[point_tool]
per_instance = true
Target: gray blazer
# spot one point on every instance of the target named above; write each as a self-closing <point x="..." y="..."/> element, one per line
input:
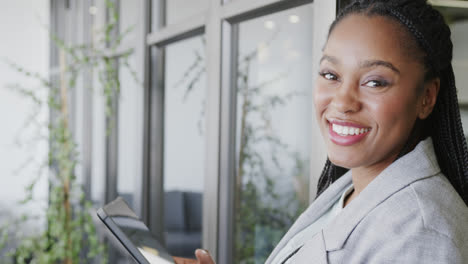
<point x="410" y="213"/>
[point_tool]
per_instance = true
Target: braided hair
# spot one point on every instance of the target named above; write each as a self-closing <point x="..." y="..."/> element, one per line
<point x="430" y="37"/>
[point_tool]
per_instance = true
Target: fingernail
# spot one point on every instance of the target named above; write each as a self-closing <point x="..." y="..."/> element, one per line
<point x="203" y="251"/>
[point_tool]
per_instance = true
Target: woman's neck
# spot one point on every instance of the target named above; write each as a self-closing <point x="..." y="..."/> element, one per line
<point x="361" y="177"/>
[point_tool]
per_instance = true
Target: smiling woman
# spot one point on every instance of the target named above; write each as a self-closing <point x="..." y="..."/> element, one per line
<point x="385" y="100"/>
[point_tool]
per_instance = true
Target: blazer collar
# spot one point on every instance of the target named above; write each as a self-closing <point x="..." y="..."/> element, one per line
<point x="418" y="164"/>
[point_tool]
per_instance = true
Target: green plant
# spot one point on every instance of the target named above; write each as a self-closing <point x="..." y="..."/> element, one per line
<point x="70" y="235"/>
<point x="262" y="214"/>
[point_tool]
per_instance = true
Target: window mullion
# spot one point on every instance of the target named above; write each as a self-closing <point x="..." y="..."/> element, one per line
<point x="213" y="116"/>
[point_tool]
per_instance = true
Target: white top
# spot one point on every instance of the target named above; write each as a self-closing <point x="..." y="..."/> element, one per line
<point x="302" y="237"/>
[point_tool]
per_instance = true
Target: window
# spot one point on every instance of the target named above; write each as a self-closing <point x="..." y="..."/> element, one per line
<point x="129" y="110"/>
<point x="273" y="123"/>
<point x="184" y="145"/>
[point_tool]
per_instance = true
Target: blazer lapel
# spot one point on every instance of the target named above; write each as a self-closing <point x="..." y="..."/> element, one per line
<point x="312" y="252"/>
<point x="315" y="210"/>
<point x="419" y="164"/>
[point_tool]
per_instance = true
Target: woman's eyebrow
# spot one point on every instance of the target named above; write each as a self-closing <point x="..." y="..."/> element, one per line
<point x="333" y="60"/>
<point x="364" y="64"/>
<point x="373" y="63"/>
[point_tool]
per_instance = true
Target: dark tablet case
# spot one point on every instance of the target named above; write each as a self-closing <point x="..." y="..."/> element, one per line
<point x="132" y="233"/>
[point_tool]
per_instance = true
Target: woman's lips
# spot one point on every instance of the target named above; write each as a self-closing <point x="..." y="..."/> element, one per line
<point x="345" y="133"/>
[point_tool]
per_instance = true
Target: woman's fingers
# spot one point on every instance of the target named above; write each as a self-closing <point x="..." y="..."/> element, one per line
<point x="185" y="260"/>
<point x="203" y="256"/>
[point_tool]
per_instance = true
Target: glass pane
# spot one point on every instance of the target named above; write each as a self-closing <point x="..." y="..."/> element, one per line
<point x="129" y="18"/>
<point x="98" y="137"/>
<point x="178" y="10"/>
<point x="457" y="18"/>
<point x="129" y="116"/>
<point x="129" y="146"/>
<point x="184" y="145"/>
<point x="274" y="95"/>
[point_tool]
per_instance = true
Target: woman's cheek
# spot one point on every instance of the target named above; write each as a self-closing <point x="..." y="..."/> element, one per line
<point x="391" y="108"/>
<point x="322" y="97"/>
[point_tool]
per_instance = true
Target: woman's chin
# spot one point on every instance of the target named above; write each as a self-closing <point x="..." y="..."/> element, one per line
<point x="343" y="161"/>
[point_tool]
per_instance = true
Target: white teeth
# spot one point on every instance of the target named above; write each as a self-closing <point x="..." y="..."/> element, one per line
<point x="345" y="130"/>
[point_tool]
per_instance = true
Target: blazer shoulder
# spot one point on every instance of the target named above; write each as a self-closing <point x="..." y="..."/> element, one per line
<point x="441" y="208"/>
<point x="426" y="219"/>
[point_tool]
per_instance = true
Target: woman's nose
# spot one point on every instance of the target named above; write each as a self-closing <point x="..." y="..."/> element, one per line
<point x="346" y="98"/>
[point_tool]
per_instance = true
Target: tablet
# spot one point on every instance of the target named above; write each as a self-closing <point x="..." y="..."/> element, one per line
<point x="125" y="227"/>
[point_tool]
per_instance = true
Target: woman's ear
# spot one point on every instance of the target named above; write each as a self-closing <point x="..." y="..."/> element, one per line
<point x="429" y="97"/>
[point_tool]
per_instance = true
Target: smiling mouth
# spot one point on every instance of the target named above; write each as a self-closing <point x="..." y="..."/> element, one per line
<point x="348" y="130"/>
<point x="346" y="133"/>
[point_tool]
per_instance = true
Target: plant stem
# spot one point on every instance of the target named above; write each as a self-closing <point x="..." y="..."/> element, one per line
<point x="64" y="171"/>
<point x="243" y="138"/>
<point x="242" y="158"/>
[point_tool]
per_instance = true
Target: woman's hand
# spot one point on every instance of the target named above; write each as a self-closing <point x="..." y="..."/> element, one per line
<point x="203" y="257"/>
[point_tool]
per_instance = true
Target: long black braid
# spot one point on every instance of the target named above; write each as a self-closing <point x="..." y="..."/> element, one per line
<point x="432" y="36"/>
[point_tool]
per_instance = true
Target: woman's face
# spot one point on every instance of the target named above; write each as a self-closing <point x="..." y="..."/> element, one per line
<point x="368" y="93"/>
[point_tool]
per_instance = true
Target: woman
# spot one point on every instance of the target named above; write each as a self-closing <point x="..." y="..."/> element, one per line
<point x="395" y="186"/>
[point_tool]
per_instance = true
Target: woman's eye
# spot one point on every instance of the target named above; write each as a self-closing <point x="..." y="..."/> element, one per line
<point x="376" y="83"/>
<point x="328" y="76"/>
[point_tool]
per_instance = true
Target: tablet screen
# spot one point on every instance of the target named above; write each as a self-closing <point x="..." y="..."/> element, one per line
<point x="142" y="239"/>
